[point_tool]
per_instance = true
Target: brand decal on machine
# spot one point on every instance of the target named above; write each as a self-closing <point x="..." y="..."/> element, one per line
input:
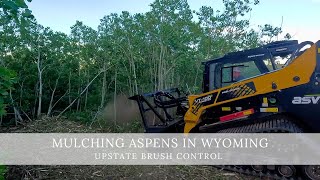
<point x="230" y="90"/>
<point x="281" y="49"/>
<point x="204" y="99"/>
<point x="256" y="55"/>
<point x="308" y="99"/>
<point x="237" y="91"/>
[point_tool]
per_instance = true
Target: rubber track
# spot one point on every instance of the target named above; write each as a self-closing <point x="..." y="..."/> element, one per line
<point x="276" y="124"/>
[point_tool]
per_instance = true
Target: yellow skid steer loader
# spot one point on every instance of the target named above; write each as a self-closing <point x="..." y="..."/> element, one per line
<point x="270" y="89"/>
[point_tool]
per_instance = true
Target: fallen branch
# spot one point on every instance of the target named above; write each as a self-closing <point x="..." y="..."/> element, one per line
<point x="26" y="115"/>
<point x="67" y="92"/>
<point x="83" y="91"/>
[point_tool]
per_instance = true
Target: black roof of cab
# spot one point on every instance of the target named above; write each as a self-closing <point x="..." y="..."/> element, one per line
<point x="279" y="48"/>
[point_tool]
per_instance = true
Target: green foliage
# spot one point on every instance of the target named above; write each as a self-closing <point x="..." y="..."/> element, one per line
<point x="12" y="8"/>
<point x="16" y="11"/>
<point x="3" y="170"/>
<point x="84" y="117"/>
<point x="7" y="80"/>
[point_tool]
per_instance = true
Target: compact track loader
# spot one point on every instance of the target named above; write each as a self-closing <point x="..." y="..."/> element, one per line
<point x="270" y="89"/>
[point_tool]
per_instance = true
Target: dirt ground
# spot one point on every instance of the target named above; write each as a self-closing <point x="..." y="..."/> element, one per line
<point x="49" y="125"/>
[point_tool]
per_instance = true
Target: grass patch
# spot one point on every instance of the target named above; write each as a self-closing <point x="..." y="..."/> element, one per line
<point x="3" y="170"/>
<point x="133" y="127"/>
<point x="83" y="117"/>
<point x="107" y="125"/>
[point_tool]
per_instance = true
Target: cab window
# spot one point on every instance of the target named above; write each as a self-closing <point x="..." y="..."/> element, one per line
<point x="232" y="73"/>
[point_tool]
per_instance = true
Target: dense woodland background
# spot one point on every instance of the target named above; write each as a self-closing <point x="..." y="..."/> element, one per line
<point x="49" y="73"/>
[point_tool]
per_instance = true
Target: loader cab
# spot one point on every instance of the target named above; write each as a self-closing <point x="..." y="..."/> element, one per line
<point x="241" y="65"/>
<point x="225" y="73"/>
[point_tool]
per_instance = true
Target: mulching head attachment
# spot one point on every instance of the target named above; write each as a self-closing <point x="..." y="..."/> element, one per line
<point x="162" y="111"/>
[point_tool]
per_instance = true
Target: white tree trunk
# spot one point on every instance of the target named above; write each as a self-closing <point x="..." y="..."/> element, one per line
<point x="52" y="96"/>
<point x="87" y="92"/>
<point x="35" y="101"/>
<point x="115" y="98"/>
<point x="69" y="84"/>
<point x="79" y="89"/>
<point x="17" y="115"/>
<point x="40" y="83"/>
<point x="104" y="86"/>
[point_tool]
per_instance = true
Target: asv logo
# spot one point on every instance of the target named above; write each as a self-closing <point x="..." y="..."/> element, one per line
<point x="306" y="100"/>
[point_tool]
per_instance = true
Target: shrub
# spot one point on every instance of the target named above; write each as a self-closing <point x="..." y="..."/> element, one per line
<point x="7" y="80"/>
